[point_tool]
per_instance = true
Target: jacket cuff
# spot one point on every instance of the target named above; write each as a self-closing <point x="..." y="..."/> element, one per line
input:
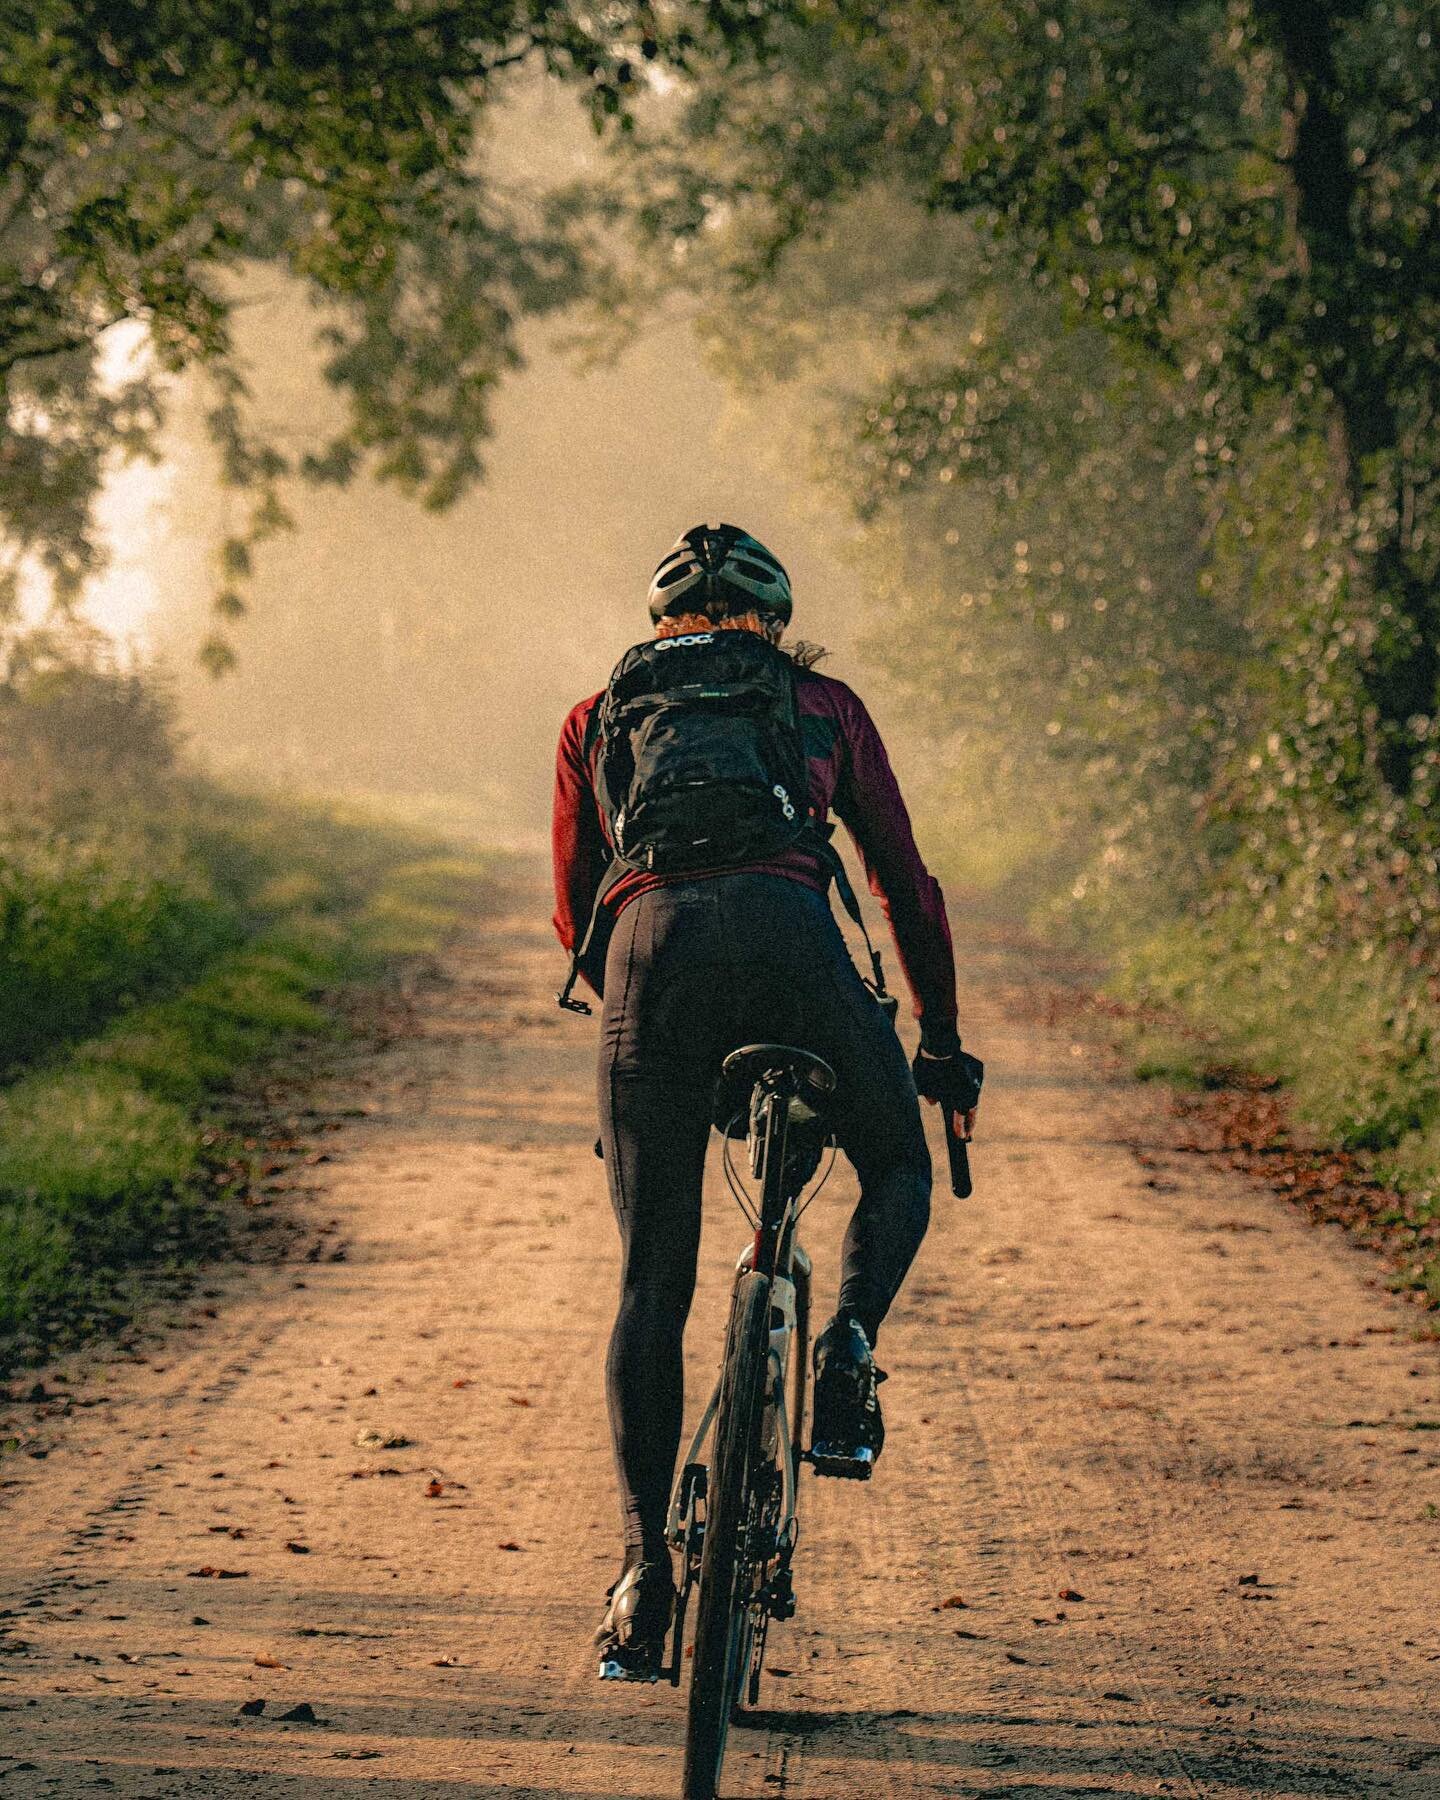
<point x="939" y="1037"/>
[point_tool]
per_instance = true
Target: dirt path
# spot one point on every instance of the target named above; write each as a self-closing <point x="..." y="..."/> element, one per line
<point x="1142" y="1383"/>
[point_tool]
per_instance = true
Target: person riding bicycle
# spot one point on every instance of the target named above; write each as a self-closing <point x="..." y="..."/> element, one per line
<point x="690" y="966"/>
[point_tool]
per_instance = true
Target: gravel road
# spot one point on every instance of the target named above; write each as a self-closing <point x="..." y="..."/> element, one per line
<point x="1157" y="1513"/>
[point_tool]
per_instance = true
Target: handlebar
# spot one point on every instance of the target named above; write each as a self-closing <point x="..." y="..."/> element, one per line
<point x="960" y="1184"/>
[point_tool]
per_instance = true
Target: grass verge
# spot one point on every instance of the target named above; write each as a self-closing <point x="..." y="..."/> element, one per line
<point x="108" y="1143"/>
<point x="1318" y="1073"/>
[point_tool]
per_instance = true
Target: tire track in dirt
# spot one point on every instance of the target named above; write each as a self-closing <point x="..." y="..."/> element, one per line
<point x="1132" y="1383"/>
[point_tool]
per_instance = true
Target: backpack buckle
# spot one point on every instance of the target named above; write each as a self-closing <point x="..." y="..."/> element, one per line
<point x="566" y="1000"/>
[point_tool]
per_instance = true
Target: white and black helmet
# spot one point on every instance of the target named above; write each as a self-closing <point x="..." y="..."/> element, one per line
<point x="719" y="570"/>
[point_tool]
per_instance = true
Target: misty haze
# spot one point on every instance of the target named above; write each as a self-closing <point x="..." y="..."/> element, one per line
<point x="892" y="1342"/>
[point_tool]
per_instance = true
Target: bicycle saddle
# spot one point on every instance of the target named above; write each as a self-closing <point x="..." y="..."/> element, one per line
<point x="742" y="1069"/>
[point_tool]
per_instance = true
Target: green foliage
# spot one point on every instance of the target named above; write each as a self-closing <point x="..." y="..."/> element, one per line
<point x="1354" y="1036"/>
<point x="156" y="156"/>
<point x="159" y="936"/>
<point x="80" y="937"/>
<point x="102" y="1155"/>
<point x="94" y="1178"/>
<point x="1119" y="328"/>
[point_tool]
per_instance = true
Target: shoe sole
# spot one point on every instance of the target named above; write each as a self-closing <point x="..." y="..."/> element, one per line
<point x="611" y="1670"/>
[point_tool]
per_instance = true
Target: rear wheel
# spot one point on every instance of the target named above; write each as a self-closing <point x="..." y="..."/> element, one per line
<point x="721" y="1637"/>
<point x="799" y="1368"/>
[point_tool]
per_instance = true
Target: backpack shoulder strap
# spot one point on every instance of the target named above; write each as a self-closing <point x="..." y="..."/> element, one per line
<point x="566" y="997"/>
<point x="830" y="857"/>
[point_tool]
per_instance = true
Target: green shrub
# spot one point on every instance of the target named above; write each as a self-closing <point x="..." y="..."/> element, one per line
<point x="143" y="972"/>
<point x="1355" y="1036"/>
<point x="95" y="1176"/>
<point x="81" y="937"/>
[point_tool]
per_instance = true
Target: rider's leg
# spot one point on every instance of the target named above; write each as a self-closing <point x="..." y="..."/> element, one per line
<point x="886" y="1143"/>
<point x="655" y="1077"/>
<point x="794" y="981"/>
<point x="879" y="1129"/>
<point x="654" y="1150"/>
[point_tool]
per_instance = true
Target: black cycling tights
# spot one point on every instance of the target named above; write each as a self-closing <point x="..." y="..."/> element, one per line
<point x="695" y="970"/>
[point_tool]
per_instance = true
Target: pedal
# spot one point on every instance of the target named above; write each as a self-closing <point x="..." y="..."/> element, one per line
<point x="847" y="1465"/>
<point x="621" y="1664"/>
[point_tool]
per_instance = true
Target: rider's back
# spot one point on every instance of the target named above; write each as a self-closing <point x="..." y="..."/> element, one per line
<point x="848" y="774"/>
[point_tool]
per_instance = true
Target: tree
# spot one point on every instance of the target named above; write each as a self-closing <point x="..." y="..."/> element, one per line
<point x="153" y="153"/>
<point x="1242" y="193"/>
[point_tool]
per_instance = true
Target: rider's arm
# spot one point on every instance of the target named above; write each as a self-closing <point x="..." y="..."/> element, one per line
<point x="868" y="801"/>
<point x="577" y="841"/>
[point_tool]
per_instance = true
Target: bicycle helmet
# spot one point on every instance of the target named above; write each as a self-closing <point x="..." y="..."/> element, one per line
<point x="719" y="570"/>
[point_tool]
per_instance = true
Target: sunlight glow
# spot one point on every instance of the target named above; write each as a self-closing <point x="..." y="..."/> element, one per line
<point x="128" y="520"/>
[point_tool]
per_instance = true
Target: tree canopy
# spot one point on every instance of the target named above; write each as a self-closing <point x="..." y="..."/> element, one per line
<point x="1116" y="322"/>
<point x="1120" y="324"/>
<point x="154" y="155"/>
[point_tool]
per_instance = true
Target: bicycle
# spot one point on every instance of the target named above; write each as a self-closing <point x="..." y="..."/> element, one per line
<point x="734" y="1521"/>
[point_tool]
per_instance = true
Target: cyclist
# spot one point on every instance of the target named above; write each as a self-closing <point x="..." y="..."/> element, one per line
<point x="691" y="967"/>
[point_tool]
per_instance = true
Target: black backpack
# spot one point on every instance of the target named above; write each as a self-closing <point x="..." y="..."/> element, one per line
<point x="701" y="760"/>
<point x="700" y="765"/>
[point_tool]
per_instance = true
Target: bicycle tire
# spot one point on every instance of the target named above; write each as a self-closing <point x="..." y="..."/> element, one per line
<point x="715" y="1675"/>
<point x="799" y="1371"/>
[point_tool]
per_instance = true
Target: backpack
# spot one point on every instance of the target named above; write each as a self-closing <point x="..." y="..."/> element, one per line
<point x="700" y="765"/>
<point x="701" y="759"/>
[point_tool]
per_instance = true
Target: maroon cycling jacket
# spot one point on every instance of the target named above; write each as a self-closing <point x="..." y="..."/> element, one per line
<point x="850" y="774"/>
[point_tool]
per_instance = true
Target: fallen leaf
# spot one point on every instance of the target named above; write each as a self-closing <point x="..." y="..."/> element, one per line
<point x="208" y="1572"/>
<point x="269" y="1662"/>
<point x="464" y="1382"/>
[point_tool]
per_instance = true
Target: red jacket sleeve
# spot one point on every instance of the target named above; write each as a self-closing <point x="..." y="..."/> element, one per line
<point x="868" y="801"/>
<point x="577" y="840"/>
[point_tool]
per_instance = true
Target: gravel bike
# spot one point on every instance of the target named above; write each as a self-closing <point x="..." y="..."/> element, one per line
<point x="733" y="1519"/>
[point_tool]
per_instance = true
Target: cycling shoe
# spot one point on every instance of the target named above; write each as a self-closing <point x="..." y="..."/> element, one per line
<point x="631" y="1636"/>
<point x="848" y="1432"/>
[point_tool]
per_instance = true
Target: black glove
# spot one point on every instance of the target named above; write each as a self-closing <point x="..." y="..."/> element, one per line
<point x="945" y="1072"/>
